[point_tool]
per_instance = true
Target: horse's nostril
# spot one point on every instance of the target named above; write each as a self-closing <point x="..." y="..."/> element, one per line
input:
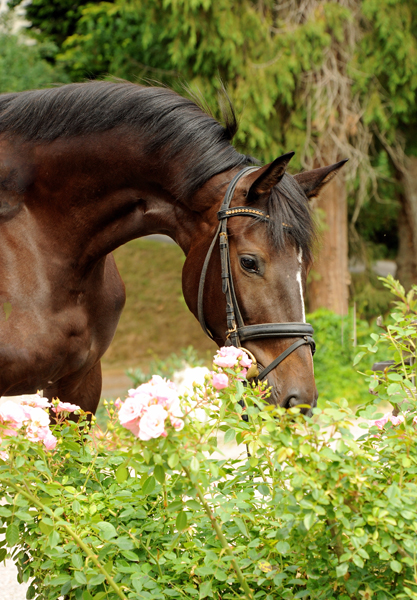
<point x="296" y="399"/>
<point x="293" y="401"/>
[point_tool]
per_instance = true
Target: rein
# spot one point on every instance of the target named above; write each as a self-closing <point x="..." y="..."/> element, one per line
<point x="237" y="331"/>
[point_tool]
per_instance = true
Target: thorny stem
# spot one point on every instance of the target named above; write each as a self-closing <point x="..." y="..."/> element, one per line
<point x="74" y="535"/>
<point x="220" y="535"/>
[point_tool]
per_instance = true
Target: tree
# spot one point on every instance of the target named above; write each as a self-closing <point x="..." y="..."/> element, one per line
<point x="21" y="65"/>
<point x="308" y="76"/>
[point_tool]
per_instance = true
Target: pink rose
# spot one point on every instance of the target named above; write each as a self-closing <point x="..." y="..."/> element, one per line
<point x="38" y="427"/>
<point x="12" y="415"/>
<point x="35" y="433"/>
<point x="50" y="441"/>
<point x="229" y="356"/>
<point x="3" y="455"/>
<point x="177" y="423"/>
<point x="65" y="407"/>
<point x="36" y="401"/>
<point x="380" y="423"/>
<point x="152" y="424"/>
<point x="132" y="410"/>
<point x="219" y="380"/>
<point x="162" y="391"/>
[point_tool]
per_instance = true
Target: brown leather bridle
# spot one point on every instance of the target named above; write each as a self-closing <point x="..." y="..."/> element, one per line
<point x="237" y="332"/>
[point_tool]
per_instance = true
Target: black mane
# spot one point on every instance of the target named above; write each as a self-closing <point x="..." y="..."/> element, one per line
<point x="165" y="119"/>
<point x="288" y="204"/>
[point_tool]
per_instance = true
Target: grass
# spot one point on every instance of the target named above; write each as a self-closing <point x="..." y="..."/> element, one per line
<point x="156" y="321"/>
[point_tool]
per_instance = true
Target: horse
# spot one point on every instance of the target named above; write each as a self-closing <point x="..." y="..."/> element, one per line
<point x="84" y="168"/>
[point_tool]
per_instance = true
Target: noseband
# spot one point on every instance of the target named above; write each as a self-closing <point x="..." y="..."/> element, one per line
<point x="237" y="332"/>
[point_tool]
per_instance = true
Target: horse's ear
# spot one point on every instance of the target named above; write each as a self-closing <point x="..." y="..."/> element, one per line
<point x="264" y="179"/>
<point x="313" y="181"/>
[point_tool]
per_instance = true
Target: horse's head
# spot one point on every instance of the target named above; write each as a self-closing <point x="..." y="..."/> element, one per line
<point x="265" y="237"/>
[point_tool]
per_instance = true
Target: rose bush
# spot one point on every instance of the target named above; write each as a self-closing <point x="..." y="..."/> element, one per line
<point x="152" y="508"/>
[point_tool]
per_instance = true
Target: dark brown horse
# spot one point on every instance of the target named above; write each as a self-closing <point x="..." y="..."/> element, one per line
<point x="84" y="168"/>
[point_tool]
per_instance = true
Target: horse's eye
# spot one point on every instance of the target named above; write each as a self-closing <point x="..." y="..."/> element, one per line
<point x="249" y="264"/>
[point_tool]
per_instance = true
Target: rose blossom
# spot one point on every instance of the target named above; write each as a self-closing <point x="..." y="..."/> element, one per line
<point x="163" y="391"/>
<point x="152" y="424"/>
<point x="50" y="441"/>
<point x="132" y="410"/>
<point x="380" y="423"/>
<point x="228" y="356"/>
<point x="13" y="415"/>
<point x="219" y="380"/>
<point x="38" y="427"/>
<point x="65" y="407"/>
<point x="36" y="401"/>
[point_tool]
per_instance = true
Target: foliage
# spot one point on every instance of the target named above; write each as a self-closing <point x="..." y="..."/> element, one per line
<point x="397" y="383"/>
<point x="309" y="513"/>
<point x="21" y="65"/>
<point x="52" y="20"/>
<point x="335" y="376"/>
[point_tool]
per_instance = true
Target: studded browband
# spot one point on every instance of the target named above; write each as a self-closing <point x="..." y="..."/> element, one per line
<point x="237" y="331"/>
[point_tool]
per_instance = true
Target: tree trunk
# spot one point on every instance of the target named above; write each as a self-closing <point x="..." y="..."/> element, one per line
<point x="407" y="225"/>
<point x="329" y="286"/>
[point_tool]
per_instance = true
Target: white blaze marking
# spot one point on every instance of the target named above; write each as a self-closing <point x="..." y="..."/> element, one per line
<point x="300" y="283"/>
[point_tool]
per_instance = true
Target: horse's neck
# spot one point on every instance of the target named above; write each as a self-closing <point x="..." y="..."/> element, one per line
<point x="95" y="197"/>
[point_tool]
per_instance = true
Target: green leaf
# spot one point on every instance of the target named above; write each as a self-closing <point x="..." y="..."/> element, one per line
<point x="61" y="579"/>
<point x="107" y="530"/>
<point x="45" y="528"/>
<point x="96" y="580"/>
<point x="76" y="507"/>
<point x="309" y="520"/>
<point x="283" y="547"/>
<point x="342" y="569"/>
<point x="393" y="388"/>
<point x="263" y="489"/>
<point x="205" y="589"/>
<point x="173" y="460"/>
<point x="358" y="561"/>
<point x="12" y="534"/>
<point x="181" y="520"/>
<point x="194" y="464"/>
<point x="229" y="436"/>
<point x="159" y="473"/>
<point x="148" y="485"/>
<point x="31" y="592"/>
<point x="122" y="473"/>
<point x="130" y="555"/>
<point x="396" y="566"/>
<point x="87" y="595"/>
<point x="358" y="358"/>
<point x="240" y="523"/>
<point x="77" y="561"/>
<point x="80" y="577"/>
<point x="53" y="539"/>
<point x="3" y="554"/>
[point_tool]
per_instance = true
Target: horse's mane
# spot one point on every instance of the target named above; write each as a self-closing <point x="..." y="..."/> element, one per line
<point x="165" y="121"/>
<point x="163" y="118"/>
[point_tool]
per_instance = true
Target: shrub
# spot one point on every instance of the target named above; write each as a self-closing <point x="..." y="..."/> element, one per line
<point x="309" y="512"/>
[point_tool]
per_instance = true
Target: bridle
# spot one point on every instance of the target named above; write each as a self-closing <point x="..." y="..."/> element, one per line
<point x="237" y="332"/>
